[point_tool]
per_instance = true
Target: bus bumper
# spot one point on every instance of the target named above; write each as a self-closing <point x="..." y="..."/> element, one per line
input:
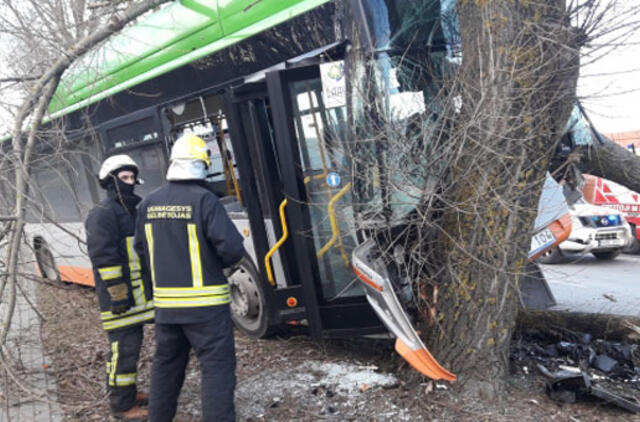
<point x="382" y="298"/>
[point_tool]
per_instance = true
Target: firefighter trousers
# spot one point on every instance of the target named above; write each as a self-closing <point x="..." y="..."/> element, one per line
<point x="212" y="342"/>
<point x="122" y="365"/>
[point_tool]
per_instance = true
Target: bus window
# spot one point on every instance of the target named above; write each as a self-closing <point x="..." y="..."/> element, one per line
<point x="56" y="191"/>
<point x="136" y="132"/>
<point x="326" y="171"/>
<point x="140" y="140"/>
<point x="64" y="172"/>
<point x="203" y="116"/>
<point x="151" y="167"/>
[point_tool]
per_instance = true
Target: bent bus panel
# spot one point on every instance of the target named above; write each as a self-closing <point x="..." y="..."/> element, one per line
<point x="551" y="227"/>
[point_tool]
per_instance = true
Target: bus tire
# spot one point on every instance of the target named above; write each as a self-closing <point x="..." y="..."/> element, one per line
<point x="249" y="310"/>
<point x="45" y="261"/>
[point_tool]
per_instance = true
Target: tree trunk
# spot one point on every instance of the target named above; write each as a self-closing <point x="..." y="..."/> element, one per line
<point x="518" y="80"/>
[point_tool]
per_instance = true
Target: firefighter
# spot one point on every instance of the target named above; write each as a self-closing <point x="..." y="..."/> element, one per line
<point x="188" y="239"/>
<point x="122" y="283"/>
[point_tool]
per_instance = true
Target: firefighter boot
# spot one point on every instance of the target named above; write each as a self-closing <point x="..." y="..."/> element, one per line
<point x="135" y="414"/>
<point x="142" y="399"/>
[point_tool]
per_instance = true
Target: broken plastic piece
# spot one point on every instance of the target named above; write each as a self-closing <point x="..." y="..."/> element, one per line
<point x="567" y="387"/>
<point x="604" y="363"/>
<point x="383" y="300"/>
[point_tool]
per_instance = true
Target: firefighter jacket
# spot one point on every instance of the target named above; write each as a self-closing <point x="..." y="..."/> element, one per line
<point x="186" y="237"/>
<point x="110" y="227"/>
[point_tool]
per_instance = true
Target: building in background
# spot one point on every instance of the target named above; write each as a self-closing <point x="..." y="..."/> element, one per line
<point x="629" y="140"/>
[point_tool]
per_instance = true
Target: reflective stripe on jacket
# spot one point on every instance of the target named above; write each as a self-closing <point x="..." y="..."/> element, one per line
<point x="110" y="229"/>
<point x="187" y="239"/>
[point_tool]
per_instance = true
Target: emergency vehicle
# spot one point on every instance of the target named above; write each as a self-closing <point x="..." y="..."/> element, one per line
<point x="605" y="193"/>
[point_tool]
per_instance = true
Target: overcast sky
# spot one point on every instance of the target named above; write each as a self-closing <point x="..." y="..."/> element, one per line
<point x="610" y="87"/>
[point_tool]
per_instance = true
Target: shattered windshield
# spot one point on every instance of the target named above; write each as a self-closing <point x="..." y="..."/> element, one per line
<point x="398" y="161"/>
<point x="579" y="128"/>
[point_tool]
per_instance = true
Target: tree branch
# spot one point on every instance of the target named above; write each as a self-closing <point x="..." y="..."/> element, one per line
<point x="20" y="79"/>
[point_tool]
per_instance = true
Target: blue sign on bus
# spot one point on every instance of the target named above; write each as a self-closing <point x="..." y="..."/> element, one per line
<point x="333" y="180"/>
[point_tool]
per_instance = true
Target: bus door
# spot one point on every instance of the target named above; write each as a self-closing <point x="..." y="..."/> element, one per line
<point x="310" y="141"/>
<point x="248" y="113"/>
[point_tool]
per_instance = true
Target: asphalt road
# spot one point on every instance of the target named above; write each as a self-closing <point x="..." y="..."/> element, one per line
<point x="591" y="285"/>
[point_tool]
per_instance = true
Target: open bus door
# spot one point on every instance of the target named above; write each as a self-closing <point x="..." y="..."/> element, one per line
<point x="296" y="194"/>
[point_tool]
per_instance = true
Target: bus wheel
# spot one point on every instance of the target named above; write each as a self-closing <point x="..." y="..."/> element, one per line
<point x="248" y="304"/>
<point x="44" y="259"/>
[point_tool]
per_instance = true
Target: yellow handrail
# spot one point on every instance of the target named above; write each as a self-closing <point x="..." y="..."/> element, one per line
<point x="334" y="224"/>
<point x="236" y="186"/>
<point x="307" y="179"/>
<point x="285" y="234"/>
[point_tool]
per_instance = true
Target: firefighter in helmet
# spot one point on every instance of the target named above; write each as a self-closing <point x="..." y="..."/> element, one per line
<point x="186" y="236"/>
<point x="122" y="283"/>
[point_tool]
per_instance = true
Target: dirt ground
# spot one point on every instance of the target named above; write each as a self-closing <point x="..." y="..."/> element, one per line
<point x="288" y="378"/>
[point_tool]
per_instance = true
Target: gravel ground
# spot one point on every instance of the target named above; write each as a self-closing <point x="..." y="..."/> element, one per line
<point x="286" y="378"/>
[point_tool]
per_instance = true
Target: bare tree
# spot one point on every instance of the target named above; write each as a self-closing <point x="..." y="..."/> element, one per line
<point x="18" y="159"/>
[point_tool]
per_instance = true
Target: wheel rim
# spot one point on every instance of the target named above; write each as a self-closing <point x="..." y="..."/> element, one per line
<point x="246" y="300"/>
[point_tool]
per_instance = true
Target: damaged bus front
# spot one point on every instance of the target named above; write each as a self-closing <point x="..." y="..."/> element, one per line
<point x="401" y="113"/>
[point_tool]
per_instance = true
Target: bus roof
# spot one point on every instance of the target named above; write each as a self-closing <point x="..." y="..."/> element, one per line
<point x="181" y="32"/>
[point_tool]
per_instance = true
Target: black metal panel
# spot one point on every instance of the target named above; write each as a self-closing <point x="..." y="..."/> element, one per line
<point x="354" y="332"/>
<point x="352" y="315"/>
<point x="241" y="150"/>
<point x="287" y="312"/>
<point x="294" y="190"/>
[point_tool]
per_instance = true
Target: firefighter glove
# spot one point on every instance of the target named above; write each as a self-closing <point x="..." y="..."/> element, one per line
<point x="121" y="299"/>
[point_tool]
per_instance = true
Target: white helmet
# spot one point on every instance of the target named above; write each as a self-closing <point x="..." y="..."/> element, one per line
<point x="114" y="163"/>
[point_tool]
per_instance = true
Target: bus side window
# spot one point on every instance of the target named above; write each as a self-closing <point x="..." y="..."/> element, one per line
<point x="140" y="139"/>
<point x="56" y="190"/>
<point x="151" y="165"/>
<point x="139" y="131"/>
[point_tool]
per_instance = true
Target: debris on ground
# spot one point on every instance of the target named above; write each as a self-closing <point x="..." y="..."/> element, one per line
<point x="294" y="378"/>
<point x="570" y="387"/>
<point x="580" y="368"/>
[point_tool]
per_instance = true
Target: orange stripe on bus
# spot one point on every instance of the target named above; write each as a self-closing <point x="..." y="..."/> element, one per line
<point x="367" y="280"/>
<point x="78" y="275"/>
<point x="561" y="228"/>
